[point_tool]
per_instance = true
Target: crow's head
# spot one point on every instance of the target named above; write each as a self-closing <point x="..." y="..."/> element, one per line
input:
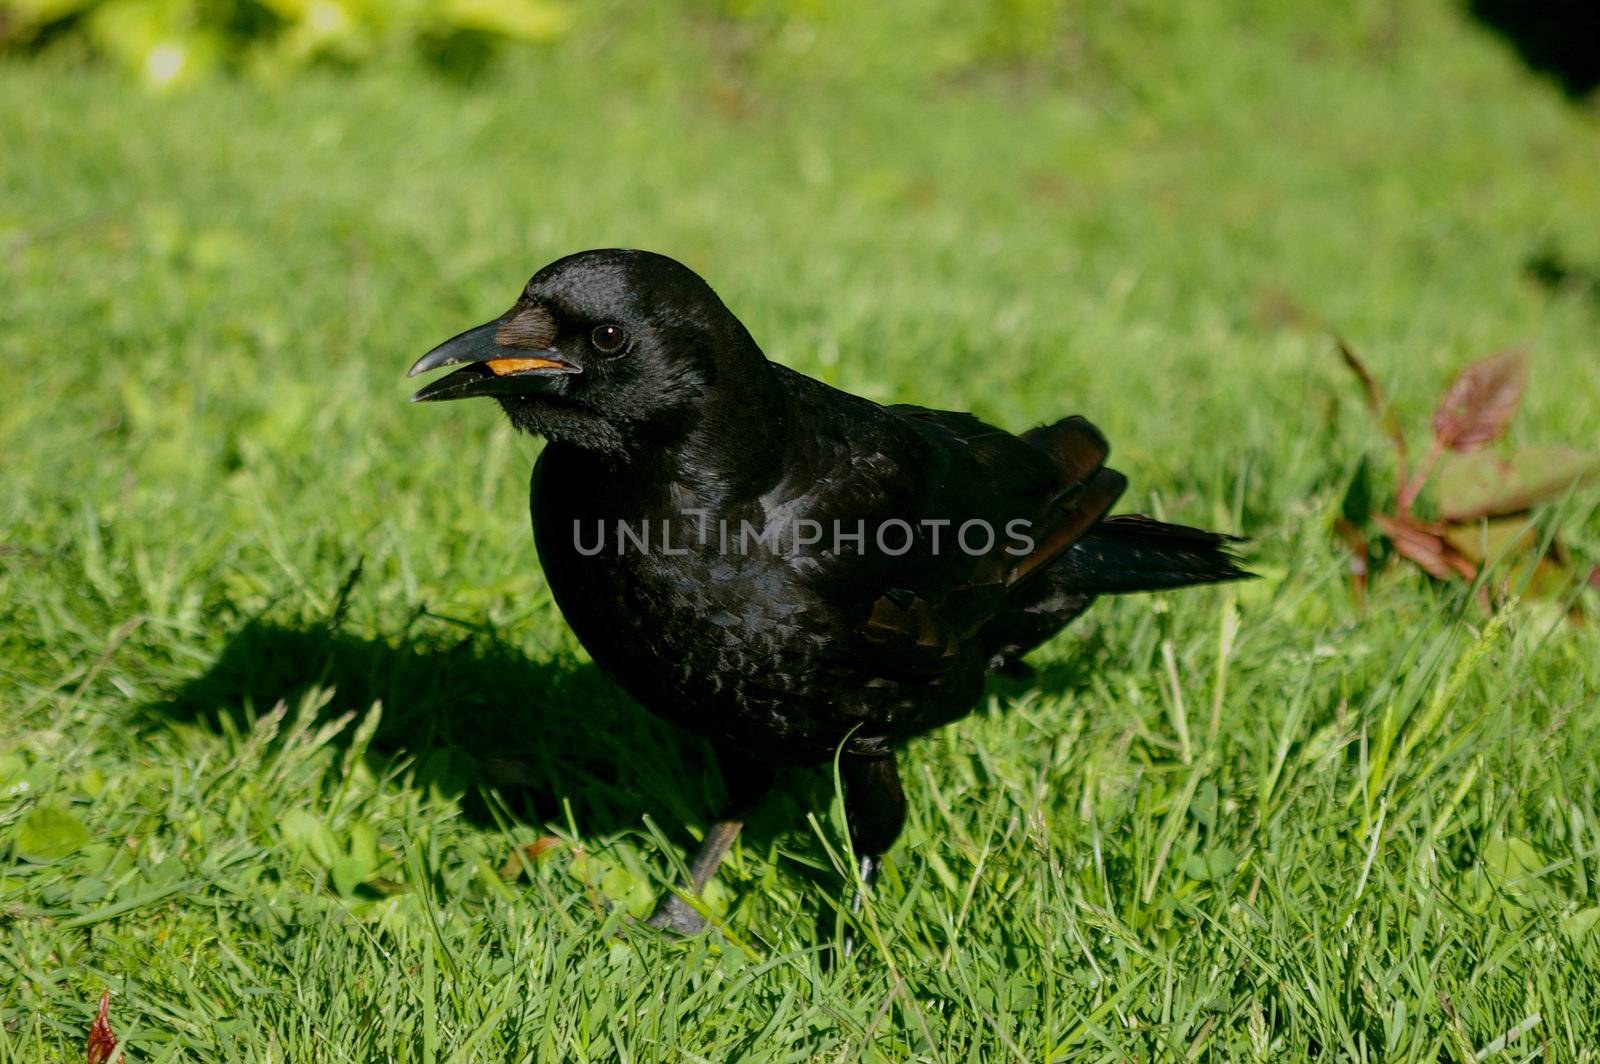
<point x="613" y="350"/>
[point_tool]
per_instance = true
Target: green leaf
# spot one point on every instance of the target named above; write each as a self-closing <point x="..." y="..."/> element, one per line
<point x="92" y="782"/>
<point x="347" y="874"/>
<point x="1484" y="541"/>
<point x="1215" y="863"/>
<point x="615" y="883"/>
<point x="1221" y="862"/>
<point x="12" y="769"/>
<point x="1510" y="862"/>
<point x="155" y="39"/>
<point x="1487" y="484"/>
<point x="49" y="833"/>
<point x="1581" y="923"/>
<point x="304" y="831"/>
<point x="521" y="20"/>
<point x="297" y="827"/>
<point x="323" y="846"/>
<point x="1514" y="543"/>
<point x="1204" y="806"/>
<point x="40" y="12"/>
<point x="167" y="872"/>
<point x="364" y="846"/>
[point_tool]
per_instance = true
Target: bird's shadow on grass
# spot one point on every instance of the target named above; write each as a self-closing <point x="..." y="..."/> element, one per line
<point x="546" y="741"/>
<point x="539" y="741"/>
<point x="553" y="738"/>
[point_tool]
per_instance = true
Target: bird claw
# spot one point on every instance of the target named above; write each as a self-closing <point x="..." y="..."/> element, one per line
<point x="847" y="944"/>
<point x="847" y="937"/>
<point x="841" y="953"/>
<point x="676" y="915"/>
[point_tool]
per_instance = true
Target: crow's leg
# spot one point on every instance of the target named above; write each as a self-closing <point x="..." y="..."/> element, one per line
<point x="673" y="913"/>
<point x="746" y="783"/>
<point x="875" y="808"/>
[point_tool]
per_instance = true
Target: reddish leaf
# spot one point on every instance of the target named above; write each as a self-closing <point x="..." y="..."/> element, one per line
<point x="541" y="846"/>
<point x="527" y="855"/>
<point x="1425" y="545"/>
<point x="102" y="1042"/>
<point x="1374" y="394"/>
<point x="1594" y="578"/>
<point x="1491" y="485"/>
<point x="1479" y="403"/>
<point x="1376" y="402"/>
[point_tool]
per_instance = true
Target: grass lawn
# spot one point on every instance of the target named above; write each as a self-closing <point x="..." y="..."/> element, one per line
<point x="284" y="699"/>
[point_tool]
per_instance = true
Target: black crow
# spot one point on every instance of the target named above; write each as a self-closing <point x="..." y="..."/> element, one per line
<point x="786" y="569"/>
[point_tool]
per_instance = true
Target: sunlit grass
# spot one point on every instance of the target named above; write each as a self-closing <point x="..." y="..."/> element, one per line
<point x="277" y="640"/>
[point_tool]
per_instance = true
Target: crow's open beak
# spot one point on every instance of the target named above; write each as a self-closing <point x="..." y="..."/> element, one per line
<point x="505" y="357"/>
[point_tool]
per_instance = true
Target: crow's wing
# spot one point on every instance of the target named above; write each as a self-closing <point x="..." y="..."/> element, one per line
<point x="941" y="470"/>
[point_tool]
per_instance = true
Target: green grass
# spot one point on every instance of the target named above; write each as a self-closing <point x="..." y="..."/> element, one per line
<point x="278" y="641"/>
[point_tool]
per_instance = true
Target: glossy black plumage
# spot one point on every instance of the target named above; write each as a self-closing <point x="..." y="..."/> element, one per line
<point x="685" y="472"/>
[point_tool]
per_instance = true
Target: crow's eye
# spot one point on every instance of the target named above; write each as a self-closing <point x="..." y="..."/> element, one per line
<point x="607" y="339"/>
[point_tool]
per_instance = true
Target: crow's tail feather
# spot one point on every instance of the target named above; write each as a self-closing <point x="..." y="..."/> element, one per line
<point x="1119" y="554"/>
<point x="1137" y="553"/>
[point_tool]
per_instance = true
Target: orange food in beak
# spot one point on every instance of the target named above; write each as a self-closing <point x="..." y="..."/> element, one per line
<point x="501" y="367"/>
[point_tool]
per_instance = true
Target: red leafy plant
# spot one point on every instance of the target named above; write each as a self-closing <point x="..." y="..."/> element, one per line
<point x="102" y="1040"/>
<point x="1480" y="499"/>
